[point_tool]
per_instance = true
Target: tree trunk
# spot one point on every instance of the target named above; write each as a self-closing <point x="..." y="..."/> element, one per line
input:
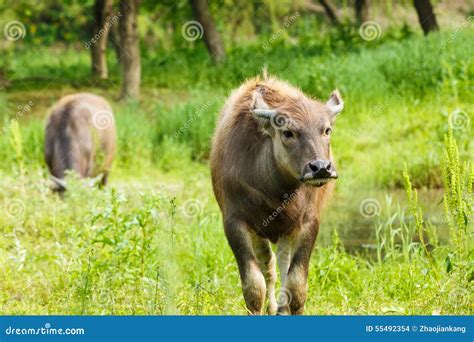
<point x="426" y="16"/>
<point x="362" y="10"/>
<point x="101" y="28"/>
<point x="212" y="37"/>
<point x="114" y="38"/>
<point x="330" y="11"/>
<point x="129" y="49"/>
<point x="256" y="18"/>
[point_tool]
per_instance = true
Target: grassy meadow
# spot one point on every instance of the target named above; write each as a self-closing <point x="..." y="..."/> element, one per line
<point x="152" y="242"/>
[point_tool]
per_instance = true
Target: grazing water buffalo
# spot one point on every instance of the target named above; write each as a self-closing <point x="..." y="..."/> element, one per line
<point x="271" y="170"/>
<point x="80" y="136"/>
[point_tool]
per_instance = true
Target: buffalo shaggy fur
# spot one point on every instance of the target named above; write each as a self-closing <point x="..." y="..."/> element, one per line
<point x="262" y="173"/>
<point x="80" y="136"/>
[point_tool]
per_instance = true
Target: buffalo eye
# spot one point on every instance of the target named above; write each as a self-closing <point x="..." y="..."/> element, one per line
<point x="327" y="131"/>
<point x="288" y="134"/>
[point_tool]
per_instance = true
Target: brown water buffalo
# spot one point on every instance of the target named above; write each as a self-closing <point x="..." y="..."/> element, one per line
<point x="271" y="170"/>
<point x="80" y="136"/>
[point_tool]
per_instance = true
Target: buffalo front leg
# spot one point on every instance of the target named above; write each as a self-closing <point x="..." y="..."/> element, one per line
<point x="297" y="278"/>
<point x="104" y="179"/>
<point x="267" y="263"/>
<point x="253" y="281"/>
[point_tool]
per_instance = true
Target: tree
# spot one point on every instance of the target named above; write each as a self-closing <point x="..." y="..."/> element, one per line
<point x="129" y="49"/>
<point x="100" y="32"/>
<point x="212" y="38"/>
<point x="426" y="16"/>
<point x="114" y="39"/>
<point x="362" y="10"/>
<point x="330" y="11"/>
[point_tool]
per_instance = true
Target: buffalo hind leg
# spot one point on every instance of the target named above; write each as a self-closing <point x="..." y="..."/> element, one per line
<point x="253" y="281"/>
<point x="284" y="258"/>
<point x="297" y="279"/>
<point x="267" y="262"/>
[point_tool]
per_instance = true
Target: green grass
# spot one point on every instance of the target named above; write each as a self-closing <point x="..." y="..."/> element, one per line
<point x="140" y="248"/>
<point x="153" y="243"/>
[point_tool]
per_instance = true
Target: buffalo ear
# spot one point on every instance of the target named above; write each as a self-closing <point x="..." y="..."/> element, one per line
<point x="335" y="103"/>
<point x="262" y="111"/>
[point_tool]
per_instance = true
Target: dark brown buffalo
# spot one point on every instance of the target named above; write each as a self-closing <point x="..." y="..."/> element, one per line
<point x="271" y="170"/>
<point x="80" y="136"/>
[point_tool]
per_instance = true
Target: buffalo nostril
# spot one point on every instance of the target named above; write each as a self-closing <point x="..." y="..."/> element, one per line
<point x="315" y="166"/>
<point x="329" y="166"/>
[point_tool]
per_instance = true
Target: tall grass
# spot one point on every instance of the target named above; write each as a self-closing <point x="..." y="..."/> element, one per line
<point x="458" y="207"/>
